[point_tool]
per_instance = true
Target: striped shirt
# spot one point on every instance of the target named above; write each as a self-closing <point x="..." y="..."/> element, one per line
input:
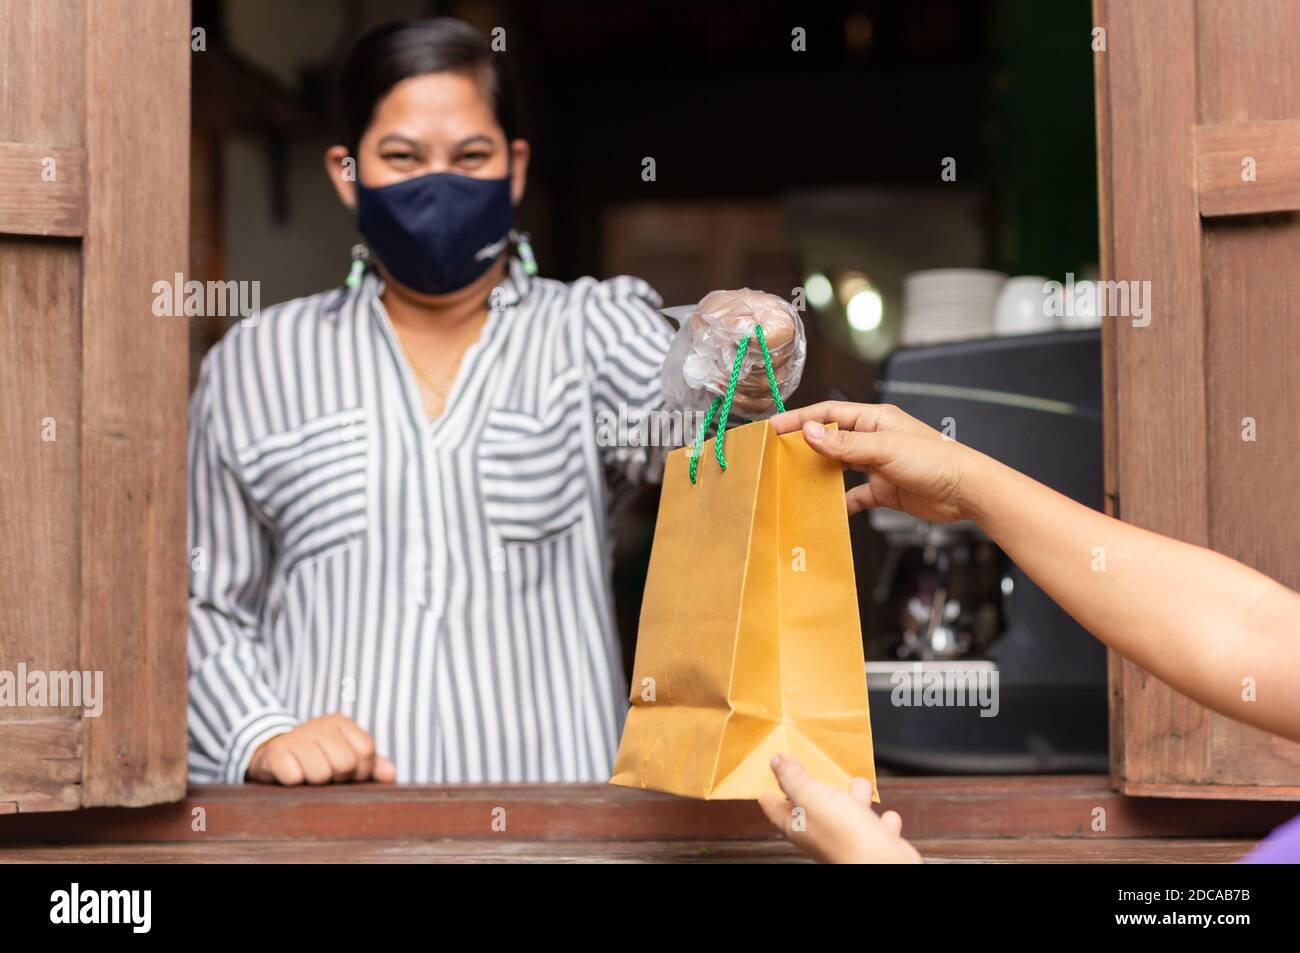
<point x="445" y="584"/>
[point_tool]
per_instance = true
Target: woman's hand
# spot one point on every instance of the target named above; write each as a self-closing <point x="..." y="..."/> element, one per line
<point x="911" y="467"/>
<point x="836" y="827"/>
<point x="722" y="321"/>
<point x="331" y="748"/>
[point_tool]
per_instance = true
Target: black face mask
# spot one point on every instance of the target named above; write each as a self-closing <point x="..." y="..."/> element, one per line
<point x="436" y="233"/>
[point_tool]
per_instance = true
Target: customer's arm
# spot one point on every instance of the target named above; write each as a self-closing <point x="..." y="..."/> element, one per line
<point x="1214" y="629"/>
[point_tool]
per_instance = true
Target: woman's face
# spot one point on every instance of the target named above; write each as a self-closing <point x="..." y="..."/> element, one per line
<point x="438" y="122"/>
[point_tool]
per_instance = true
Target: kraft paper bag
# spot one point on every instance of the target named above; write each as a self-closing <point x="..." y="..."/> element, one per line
<point x="749" y="643"/>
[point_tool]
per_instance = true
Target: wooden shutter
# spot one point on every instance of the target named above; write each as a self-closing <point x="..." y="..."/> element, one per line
<point x="94" y="167"/>
<point x="1187" y="90"/>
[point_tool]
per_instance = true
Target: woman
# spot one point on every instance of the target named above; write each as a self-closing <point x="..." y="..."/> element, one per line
<point x="398" y="501"/>
<point x="1196" y="619"/>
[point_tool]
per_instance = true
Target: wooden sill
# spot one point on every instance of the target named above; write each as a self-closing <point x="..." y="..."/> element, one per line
<point x="933" y="809"/>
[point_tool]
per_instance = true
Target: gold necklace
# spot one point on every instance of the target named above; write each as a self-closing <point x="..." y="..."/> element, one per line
<point x="440" y="389"/>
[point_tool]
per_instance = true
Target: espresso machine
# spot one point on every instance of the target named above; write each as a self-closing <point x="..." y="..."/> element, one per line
<point x="974" y="669"/>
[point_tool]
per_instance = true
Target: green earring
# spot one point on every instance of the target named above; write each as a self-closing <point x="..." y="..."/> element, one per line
<point x="525" y="247"/>
<point x="360" y="255"/>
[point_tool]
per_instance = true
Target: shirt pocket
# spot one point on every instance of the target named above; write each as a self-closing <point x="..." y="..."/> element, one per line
<point x="531" y="469"/>
<point x="309" y="483"/>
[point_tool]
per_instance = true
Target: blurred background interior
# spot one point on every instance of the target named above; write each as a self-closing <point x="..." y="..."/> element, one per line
<point x="775" y="169"/>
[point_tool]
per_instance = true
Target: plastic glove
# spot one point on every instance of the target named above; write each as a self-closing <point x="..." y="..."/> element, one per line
<point x="699" y="362"/>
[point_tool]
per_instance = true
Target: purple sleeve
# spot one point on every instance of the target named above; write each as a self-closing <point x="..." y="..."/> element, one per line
<point x="1280" y="847"/>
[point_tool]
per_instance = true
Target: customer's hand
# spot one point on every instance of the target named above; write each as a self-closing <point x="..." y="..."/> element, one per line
<point x="834" y="827"/>
<point x="911" y="467"/>
<point x="331" y="748"/>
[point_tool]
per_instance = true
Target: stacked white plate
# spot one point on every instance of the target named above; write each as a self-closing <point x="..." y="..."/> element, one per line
<point x="949" y="304"/>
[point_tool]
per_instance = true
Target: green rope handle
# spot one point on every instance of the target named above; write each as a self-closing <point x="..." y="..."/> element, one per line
<point x="724" y="403"/>
<point x="699" y="437"/>
<point x="767" y="366"/>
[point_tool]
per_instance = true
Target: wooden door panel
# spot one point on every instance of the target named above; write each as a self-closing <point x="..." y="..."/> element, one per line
<point x="1253" y="369"/>
<point x="55" y="209"/>
<point x="1147" y="94"/>
<point x="1249" y="81"/>
<point x="42" y="95"/>
<point x="1272" y="145"/>
<point x="1186" y="90"/>
<point x="135" y="383"/>
<point x="94" y="131"/>
<point x="41" y="111"/>
<point x="39" y="368"/>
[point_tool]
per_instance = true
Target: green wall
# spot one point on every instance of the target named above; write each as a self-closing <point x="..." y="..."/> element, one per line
<point x="1047" y="132"/>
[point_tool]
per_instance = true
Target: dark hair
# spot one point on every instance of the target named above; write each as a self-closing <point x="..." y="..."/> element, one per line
<point x="396" y="51"/>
